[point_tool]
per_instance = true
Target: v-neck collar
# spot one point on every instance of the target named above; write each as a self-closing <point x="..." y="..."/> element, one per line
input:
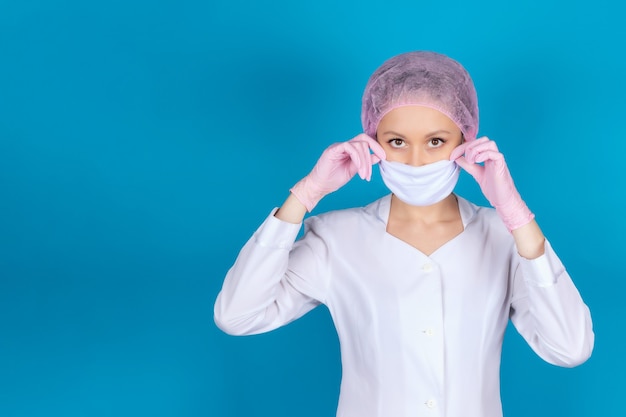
<point x="466" y="209"/>
<point x="381" y="209"/>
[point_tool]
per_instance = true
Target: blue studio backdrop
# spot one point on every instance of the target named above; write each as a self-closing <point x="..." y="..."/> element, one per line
<point x="142" y="142"/>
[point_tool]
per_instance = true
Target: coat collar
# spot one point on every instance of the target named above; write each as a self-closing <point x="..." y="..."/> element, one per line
<point x="380" y="208"/>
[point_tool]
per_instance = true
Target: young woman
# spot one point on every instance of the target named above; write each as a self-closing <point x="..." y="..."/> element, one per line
<point x="421" y="283"/>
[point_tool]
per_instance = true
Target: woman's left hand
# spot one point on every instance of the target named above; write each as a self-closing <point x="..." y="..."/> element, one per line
<point x="494" y="179"/>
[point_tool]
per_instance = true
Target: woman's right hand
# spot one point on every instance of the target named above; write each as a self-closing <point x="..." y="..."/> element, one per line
<point x="494" y="179"/>
<point x="337" y="165"/>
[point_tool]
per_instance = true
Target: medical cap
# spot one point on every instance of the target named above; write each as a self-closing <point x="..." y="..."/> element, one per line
<point x="421" y="78"/>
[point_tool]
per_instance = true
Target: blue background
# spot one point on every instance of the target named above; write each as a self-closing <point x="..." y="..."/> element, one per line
<point x="142" y="142"/>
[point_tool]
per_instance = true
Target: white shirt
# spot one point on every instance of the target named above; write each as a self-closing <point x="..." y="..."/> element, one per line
<point x="419" y="335"/>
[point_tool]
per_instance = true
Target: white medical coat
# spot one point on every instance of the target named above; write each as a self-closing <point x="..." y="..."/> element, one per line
<point x="419" y="335"/>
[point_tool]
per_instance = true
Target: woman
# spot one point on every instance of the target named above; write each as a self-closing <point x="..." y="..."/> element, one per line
<point x="421" y="283"/>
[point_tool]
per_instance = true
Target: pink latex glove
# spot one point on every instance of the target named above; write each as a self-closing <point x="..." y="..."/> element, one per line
<point x="494" y="179"/>
<point x="337" y="165"/>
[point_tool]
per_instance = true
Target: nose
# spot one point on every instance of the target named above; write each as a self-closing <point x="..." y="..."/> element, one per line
<point x="416" y="158"/>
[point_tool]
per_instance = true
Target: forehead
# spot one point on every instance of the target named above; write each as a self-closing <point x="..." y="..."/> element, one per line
<point x="416" y="118"/>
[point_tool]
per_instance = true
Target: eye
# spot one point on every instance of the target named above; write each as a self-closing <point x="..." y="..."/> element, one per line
<point x="396" y="143"/>
<point x="436" y="142"/>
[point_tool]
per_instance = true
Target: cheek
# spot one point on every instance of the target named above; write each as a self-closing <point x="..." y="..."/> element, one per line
<point x="452" y="145"/>
<point x="448" y="151"/>
<point x="394" y="154"/>
<point x="447" y="154"/>
<point x="439" y="154"/>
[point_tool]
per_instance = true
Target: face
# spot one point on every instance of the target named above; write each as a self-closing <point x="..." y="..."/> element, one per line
<point x="417" y="135"/>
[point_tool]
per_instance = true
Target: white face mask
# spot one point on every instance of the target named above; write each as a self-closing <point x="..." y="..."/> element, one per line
<point x="420" y="186"/>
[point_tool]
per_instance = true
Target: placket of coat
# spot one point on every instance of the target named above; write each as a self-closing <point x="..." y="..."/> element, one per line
<point x="424" y="320"/>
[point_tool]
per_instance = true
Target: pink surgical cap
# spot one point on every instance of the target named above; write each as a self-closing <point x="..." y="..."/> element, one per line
<point x="421" y="78"/>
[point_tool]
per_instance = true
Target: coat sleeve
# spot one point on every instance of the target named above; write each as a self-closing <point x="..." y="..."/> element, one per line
<point x="548" y="311"/>
<point x="258" y="294"/>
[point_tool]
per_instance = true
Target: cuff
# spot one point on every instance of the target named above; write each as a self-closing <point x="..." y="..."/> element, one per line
<point x="275" y="233"/>
<point x="544" y="270"/>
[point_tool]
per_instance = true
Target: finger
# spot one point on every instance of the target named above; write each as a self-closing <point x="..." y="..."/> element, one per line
<point x="472" y="151"/>
<point x="483" y="144"/>
<point x="365" y="170"/>
<point x="373" y="145"/>
<point x="488" y="155"/>
<point x="474" y="170"/>
<point x="363" y="149"/>
<point x="374" y="159"/>
<point x="476" y="142"/>
<point x="468" y="148"/>
<point x="458" y="151"/>
<point x="482" y="139"/>
<point x="356" y="160"/>
<point x="336" y="151"/>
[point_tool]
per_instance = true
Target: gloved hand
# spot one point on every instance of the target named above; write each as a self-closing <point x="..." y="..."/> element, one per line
<point x="494" y="179"/>
<point x="337" y="165"/>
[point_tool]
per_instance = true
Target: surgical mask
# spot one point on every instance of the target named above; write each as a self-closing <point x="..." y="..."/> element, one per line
<point x="420" y="186"/>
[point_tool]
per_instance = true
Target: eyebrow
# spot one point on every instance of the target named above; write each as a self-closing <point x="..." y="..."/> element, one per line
<point x="392" y="133"/>
<point x="428" y="135"/>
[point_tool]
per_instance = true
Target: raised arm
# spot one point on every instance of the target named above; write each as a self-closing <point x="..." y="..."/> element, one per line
<point x="497" y="185"/>
<point x="546" y="307"/>
<point x="257" y="294"/>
